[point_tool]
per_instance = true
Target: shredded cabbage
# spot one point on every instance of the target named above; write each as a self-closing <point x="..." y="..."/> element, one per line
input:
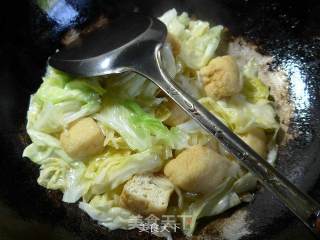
<point x="140" y="130"/>
<point x="253" y="88"/>
<point x="108" y="172"/>
<point x="196" y="135"/>
<point x="106" y="210"/>
<point x="242" y="116"/>
<point x="218" y="201"/>
<point x="60" y="101"/>
<point x="132" y="86"/>
<point x="198" y="41"/>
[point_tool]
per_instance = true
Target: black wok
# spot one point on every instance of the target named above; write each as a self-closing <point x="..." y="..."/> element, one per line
<point x="29" y="34"/>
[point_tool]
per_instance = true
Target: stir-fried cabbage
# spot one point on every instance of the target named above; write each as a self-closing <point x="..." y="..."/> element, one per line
<point x="241" y="115"/>
<point x="198" y="41"/>
<point x="109" y="172"/>
<point x="140" y="130"/>
<point x="62" y="99"/>
<point x="253" y="88"/>
<point x="131" y="113"/>
<point x="133" y="86"/>
<point x="196" y="135"/>
<point x="220" y="200"/>
<point x="106" y="210"/>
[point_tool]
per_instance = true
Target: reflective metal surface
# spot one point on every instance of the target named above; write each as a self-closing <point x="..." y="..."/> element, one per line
<point x="115" y="48"/>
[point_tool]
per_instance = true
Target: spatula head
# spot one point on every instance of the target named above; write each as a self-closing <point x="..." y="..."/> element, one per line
<point x="116" y="47"/>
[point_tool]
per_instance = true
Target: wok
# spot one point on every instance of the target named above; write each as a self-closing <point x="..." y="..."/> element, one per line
<point x="30" y="33"/>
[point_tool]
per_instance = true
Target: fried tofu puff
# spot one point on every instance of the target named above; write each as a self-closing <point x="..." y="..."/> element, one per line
<point x="147" y="194"/>
<point x="257" y="140"/>
<point x="83" y="139"/>
<point x="177" y="115"/>
<point x="221" y="77"/>
<point x="174" y="44"/>
<point x="198" y="169"/>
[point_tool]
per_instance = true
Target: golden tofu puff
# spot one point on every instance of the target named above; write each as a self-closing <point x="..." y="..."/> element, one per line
<point x="199" y="169"/>
<point x="257" y="140"/>
<point x="174" y="44"/>
<point x="221" y="77"/>
<point x="177" y="115"/>
<point x="83" y="139"/>
<point x="146" y="194"/>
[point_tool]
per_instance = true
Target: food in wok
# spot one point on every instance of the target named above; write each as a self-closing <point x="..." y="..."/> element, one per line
<point x="128" y="155"/>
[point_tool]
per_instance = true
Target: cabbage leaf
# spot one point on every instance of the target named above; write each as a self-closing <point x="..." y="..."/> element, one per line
<point x="106" y="211"/>
<point x="108" y="172"/>
<point x="198" y="41"/>
<point x="61" y="100"/>
<point x="242" y="116"/>
<point x="139" y="129"/>
<point x="253" y="88"/>
<point x="212" y="204"/>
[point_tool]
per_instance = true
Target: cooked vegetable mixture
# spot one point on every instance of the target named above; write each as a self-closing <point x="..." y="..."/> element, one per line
<point x="123" y="150"/>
